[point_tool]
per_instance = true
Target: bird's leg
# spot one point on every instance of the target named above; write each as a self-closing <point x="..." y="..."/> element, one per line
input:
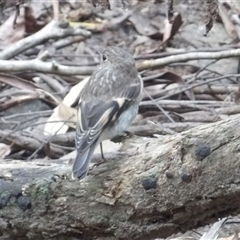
<point x="103" y="159"/>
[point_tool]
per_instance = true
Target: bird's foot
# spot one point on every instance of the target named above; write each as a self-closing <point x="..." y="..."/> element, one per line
<point x="101" y="161"/>
<point x="120" y="138"/>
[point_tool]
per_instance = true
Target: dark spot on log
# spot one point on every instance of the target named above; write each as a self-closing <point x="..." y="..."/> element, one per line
<point x="186" y="177"/>
<point x="4" y="198"/>
<point x="169" y="174"/>
<point x="201" y="151"/>
<point x="149" y="183"/>
<point x="198" y="198"/>
<point x="24" y="202"/>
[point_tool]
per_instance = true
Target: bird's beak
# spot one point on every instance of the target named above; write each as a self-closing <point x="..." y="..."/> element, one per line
<point x="100" y="54"/>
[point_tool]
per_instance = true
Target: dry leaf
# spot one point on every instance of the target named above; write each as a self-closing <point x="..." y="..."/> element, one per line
<point x="47" y="95"/>
<point x="17" y="82"/>
<point x="212" y="9"/>
<point x="10" y="34"/>
<point x="59" y="127"/>
<point x="143" y="26"/>
<point x="171" y="28"/>
<point x="170" y="11"/>
<point x="228" y="24"/>
<point x="177" y="79"/>
<point x="67" y="113"/>
<point x="25" y="22"/>
<point x="5" y="150"/>
<point x="31" y="25"/>
<point x="16" y="100"/>
<point x="55" y="125"/>
<point x="24" y="85"/>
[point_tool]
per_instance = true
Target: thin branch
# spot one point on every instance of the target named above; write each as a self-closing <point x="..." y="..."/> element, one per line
<point x="166" y="93"/>
<point x="51" y="30"/>
<point x="181" y="51"/>
<point x="27" y="143"/>
<point x="40" y="66"/>
<point x="159" y="107"/>
<point x="36" y="114"/>
<point x="150" y="64"/>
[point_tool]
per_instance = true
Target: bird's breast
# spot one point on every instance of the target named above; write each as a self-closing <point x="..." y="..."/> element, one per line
<point x="121" y="123"/>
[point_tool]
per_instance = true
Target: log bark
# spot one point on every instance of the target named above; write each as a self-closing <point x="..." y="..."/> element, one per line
<point x="171" y="184"/>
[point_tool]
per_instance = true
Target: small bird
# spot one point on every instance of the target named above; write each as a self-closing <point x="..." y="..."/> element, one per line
<point x="107" y="106"/>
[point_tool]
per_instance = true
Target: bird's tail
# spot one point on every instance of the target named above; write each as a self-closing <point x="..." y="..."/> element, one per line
<point x="82" y="161"/>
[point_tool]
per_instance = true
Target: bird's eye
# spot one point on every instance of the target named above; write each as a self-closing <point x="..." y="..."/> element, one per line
<point x="104" y="58"/>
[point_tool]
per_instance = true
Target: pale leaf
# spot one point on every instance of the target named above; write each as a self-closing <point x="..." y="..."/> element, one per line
<point x="59" y="126"/>
<point x="5" y="150"/>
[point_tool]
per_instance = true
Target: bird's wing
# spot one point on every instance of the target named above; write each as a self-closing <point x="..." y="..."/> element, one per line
<point x="95" y="114"/>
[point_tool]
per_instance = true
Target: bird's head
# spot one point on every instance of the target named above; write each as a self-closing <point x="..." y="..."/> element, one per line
<point x="116" y="55"/>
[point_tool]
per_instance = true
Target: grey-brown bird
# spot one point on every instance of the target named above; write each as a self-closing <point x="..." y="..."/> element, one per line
<point x="107" y="106"/>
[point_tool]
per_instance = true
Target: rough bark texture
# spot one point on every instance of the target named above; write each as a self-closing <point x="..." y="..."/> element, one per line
<point x="192" y="178"/>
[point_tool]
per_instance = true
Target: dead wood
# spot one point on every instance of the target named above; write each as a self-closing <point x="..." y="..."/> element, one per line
<point x="151" y="64"/>
<point x="172" y="184"/>
<point x="51" y="30"/>
<point x="30" y="143"/>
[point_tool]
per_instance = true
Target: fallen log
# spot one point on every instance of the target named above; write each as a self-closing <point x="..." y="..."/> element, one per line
<point x="171" y="184"/>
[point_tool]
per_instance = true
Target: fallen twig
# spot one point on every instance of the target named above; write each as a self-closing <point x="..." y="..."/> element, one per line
<point x="46" y="67"/>
<point x="27" y="143"/>
<point x="150" y="64"/>
<point x="52" y="30"/>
